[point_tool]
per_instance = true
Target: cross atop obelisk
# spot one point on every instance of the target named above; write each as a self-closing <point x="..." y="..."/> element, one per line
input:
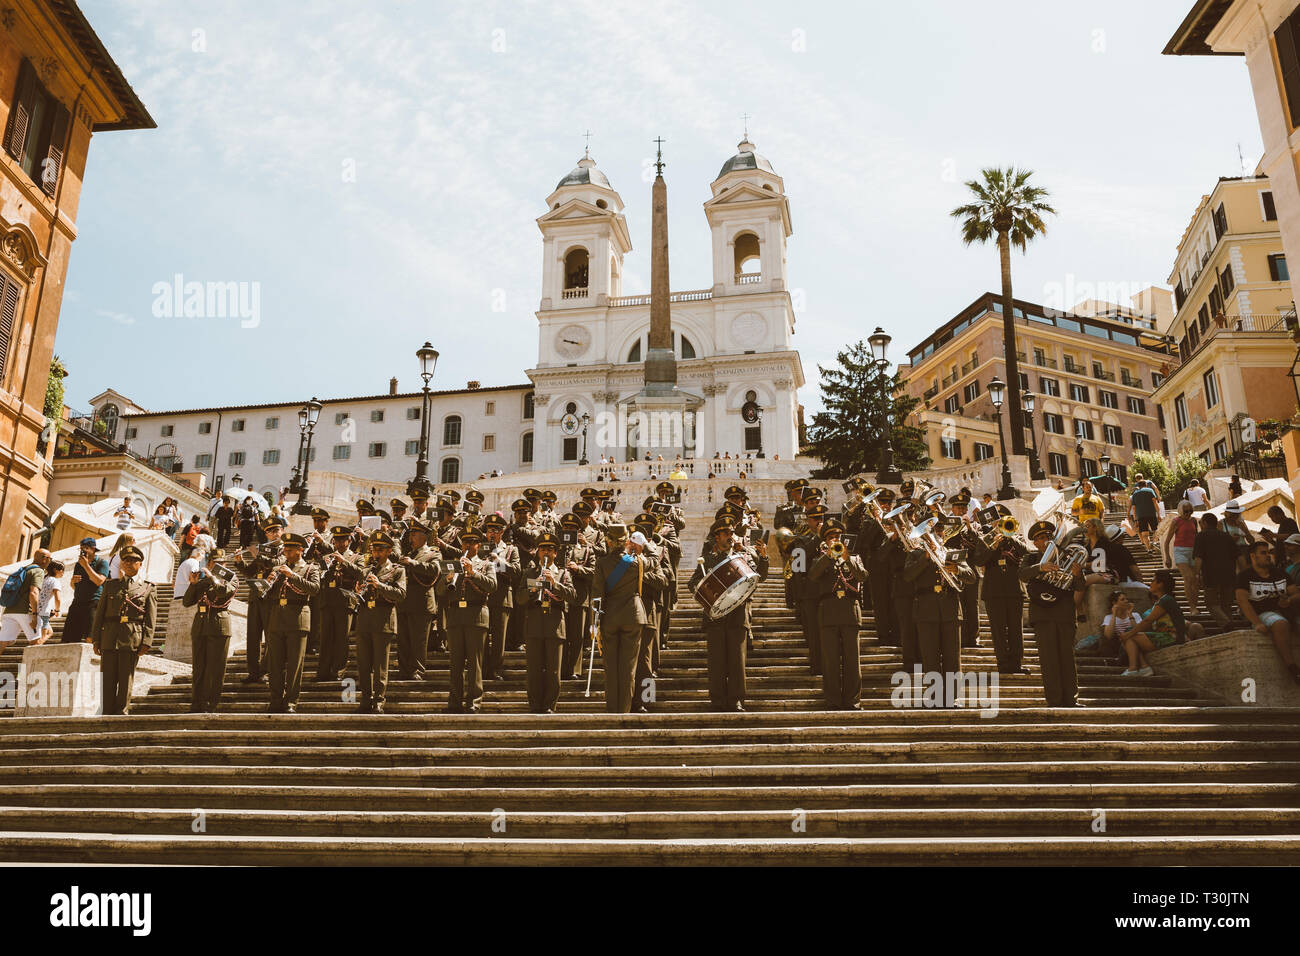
<point x="659" y="156"/>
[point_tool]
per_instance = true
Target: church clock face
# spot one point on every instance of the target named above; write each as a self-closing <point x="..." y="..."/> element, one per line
<point x="572" y="341"/>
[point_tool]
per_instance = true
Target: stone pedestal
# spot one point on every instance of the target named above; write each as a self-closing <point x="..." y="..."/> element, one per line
<point x="58" y="680"/>
<point x="1240" y="667"/>
<point x="176" y="645"/>
<point x="301" y="524"/>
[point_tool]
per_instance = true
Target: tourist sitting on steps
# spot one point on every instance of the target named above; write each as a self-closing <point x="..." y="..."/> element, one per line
<point x="1264" y="597"/>
<point x="1162" y="625"/>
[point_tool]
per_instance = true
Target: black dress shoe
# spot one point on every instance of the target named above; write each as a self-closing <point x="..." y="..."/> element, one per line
<point x="291" y="708"/>
<point x="857" y="706"/>
<point x="640" y="709"/>
<point x="378" y="708"/>
<point x="740" y="708"/>
<point x="550" y="710"/>
<point x="475" y="708"/>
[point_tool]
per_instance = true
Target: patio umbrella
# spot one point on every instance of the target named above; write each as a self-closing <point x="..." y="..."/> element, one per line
<point x="1104" y="484"/>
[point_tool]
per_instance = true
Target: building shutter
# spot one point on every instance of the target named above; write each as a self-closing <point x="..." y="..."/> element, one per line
<point x="52" y="165"/>
<point x="8" y="316"/>
<point x="20" y="118"/>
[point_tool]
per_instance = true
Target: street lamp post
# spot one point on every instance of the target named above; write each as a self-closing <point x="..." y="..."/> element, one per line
<point x="1036" y="472"/>
<point x="307" y="418"/>
<point x="997" y="392"/>
<point x="1078" y="453"/>
<point x="1105" y="470"/>
<point x="419" y="485"/>
<point x="586" y="420"/>
<point x="887" y="474"/>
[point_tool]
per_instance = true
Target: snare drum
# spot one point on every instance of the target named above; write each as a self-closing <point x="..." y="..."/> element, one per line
<point x="727" y="586"/>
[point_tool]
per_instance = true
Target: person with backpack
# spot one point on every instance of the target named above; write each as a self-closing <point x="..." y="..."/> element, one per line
<point x="20" y="599"/>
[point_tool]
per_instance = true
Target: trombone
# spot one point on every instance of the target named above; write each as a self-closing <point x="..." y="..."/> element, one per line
<point x="937" y="553"/>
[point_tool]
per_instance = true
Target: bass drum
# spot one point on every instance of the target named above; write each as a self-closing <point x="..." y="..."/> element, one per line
<point x="727" y="586"/>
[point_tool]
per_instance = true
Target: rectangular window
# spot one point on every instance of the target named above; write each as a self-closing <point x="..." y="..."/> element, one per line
<point x="130" y="431"/>
<point x="1277" y="270"/>
<point x="311" y="453"/>
<point x="1083" y="429"/>
<point x="167" y="430"/>
<point x="237" y="425"/>
<point x="1216" y="300"/>
<point x="341" y="417"/>
<point x="753" y="438"/>
<point x="1057" y="463"/>
<point x="1180" y="411"/>
<point x="413" y="446"/>
<point x="972" y="391"/>
<point x="1108" y="399"/>
<point x="378" y="449"/>
<point x="983" y="451"/>
<point x="1220" y="450"/>
<point x="526" y="449"/>
<point x="1156" y="379"/>
<point x="1140" y="441"/>
<point x="413" y="414"/>
<point x="1053" y="423"/>
<point x="1203" y="314"/>
<point x="202" y="461"/>
<point x="1226" y="282"/>
<point x="489" y="408"/>
<point x="205" y="428"/>
<point x="950" y="448"/>
<point x="272" y="423"/>
<point x="1090" y="468"/>
<point x="377" y="415"/>
<point x="489" y="442"/>
<point x="1050" y="386"/>
<point x="1266" y="205"/>
<point x="1078" y="393"/>
<point x="37" y="133"/>
<point x="342" y="452"/>
<point x="236" y="459"/>
<point x="951" y="404"/>
<point x="1024" y="382"/>
<point x="570" y="449"/>
<point x="528" y="406"/>
<point x="271" y="456"/>
<point x="1113" y="434"/>
<point x="1211" y="388"/>
<point x="1040" y="357"/>
<point x="1137" y="406"/>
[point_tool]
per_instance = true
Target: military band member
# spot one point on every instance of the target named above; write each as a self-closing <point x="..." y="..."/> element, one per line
<point x="618" y="583"/>
<point x="463" y="594"/>
<point x="381" y="592"/>
<point x="318" y="545"/>
<point x="838" y="581"/>
<point x="338" y="604"/>
<point x="507" y="564"/>
<point x="1004" y="598"/>
<point x="882" y="569"/>
<point x="416" y="612"/>
<point x="549" y="589"/>
<point x="365" y="509"/>
<point x="591" y="532"/>
<point x="1051" y="615"/>
<point x="580" y="562"/>
<point x="288" y="621"/>
<point x="959" y="507"/>
<point x="654" y="587"/>
<point x="256" y="568"/>
<point x="420" y="506"/>
<point x="803" y="551"/>
<point x="936" y="613"/>
<point x="209" y="634"/>
<point x="122" y="629"/>
<point x="726" y="637"/>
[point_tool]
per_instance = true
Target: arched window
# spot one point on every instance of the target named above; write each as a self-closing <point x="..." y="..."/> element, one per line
<point x="526" y="451"/>
<point x="748" y="262"/>
<point x="634" y="354"/>
<point x="108" y="414"/>
<point x="683" y="346"/>
<point x="528" y="406"/>
<point x="451" y="430"/>
<point x="687" y="349"/>
<point x="575" y="274"/>
<point x="450" y="471"/>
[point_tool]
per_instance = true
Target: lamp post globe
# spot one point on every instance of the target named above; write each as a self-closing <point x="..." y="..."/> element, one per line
<point x="418" y="486"/>
<point x="998" y="394"/>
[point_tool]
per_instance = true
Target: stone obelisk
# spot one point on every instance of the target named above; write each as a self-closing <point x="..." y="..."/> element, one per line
<point x="660" y="360"/>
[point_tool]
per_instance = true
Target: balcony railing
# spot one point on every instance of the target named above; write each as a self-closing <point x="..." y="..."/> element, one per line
<point x="1020" y="356"/>
<point x="1103" y="375"/>
<point x="1071" y="367"/>
<point x="1270" y="323"/>
<point x="948" y="380"/>
<point x="970" y="367"/>
<point x="1045" y="362"/>
<point x="1133" y="381"/>
<point x="574" y="293"/>
<point x="931" y="392"/>
<point x="748" y="278"/>
<point x="623" y="301"/>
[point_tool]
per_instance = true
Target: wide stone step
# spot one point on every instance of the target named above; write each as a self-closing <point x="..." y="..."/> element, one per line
<point x="1215" y="850"/>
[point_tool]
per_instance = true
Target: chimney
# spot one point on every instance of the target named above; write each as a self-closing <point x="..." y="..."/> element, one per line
<point x="392" y="385"/>
<point x="472" y="385"/>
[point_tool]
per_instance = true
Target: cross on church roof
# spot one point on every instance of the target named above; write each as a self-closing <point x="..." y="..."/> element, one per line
<point x="659" y="156"/>
<point x="745" y="118"/>
<point x="587" y="150"/>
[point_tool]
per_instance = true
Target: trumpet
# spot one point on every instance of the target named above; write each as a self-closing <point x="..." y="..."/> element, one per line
<point x="836" y="551"/>
<point x="938" y="554"/>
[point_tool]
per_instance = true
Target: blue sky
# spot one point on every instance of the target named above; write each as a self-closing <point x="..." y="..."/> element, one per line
<point x="376" y="169"/>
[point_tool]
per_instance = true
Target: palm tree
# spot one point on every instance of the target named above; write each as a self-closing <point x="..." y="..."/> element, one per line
<point x="1006" y="206"/>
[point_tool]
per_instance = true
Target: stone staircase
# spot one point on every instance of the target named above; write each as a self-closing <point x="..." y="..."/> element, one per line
<point x="1145" y="772"/>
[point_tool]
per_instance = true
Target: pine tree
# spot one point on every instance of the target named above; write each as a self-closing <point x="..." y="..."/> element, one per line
<point x="847" y="435"/>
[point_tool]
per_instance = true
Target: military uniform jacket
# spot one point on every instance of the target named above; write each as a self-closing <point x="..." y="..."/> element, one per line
<point x="377" y="610"/>
<point x="317" y="549"/>
<point x="623" y="604"/>
<point x="934" y="601"/>
<point x="801" y="588"/>
<point x="838" y="588"/>
<point x="287" y="603"/>
<point x="213" y="598"/>
<point x="522" y="536"/>
<point x="125" y="615"/>
<point x="421" y="576"/>
<point x="1046" y="602"/>
<point x="1001" y="570"/>
<point x="507" y="564"/>
<point x="466" y="601"/>
<point x="258" y="569"/>
<point x="546" y="606"/>
<point x="584" y="556"/>
<point x="711" y="558"/>
<point x="335" y="587"/>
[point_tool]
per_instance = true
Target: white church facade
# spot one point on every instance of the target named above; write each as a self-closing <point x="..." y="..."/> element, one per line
<point x="733" y="341"/>
<point x="733" y="344"/>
